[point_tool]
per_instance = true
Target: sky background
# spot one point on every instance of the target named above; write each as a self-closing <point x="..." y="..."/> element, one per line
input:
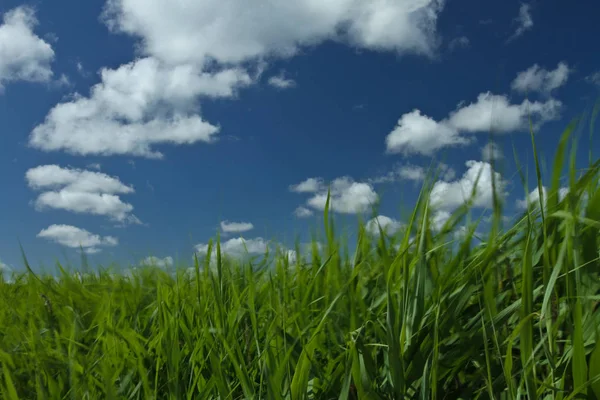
<point x="138" y="129"/>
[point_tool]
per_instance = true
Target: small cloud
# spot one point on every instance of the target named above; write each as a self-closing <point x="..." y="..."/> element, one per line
<point x="281" y="82"/>
<point x="491" y="151"/>
<point x="303" y="212"/>
<point x="236" y="227"/>
<point x="594" y="78"/>
<point x="524" y="21"/>
<point x="536" y="79"/>
<point x="95" y="166"/>
<point x="310" y="185"/>
<point x="461" y="42"/>
<point x="388" y="225"/>
<point x="157" y="262"/>
<point x="73" y="237"/>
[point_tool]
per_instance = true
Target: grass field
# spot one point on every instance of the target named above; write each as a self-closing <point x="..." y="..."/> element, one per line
<point x="424" y="314"/>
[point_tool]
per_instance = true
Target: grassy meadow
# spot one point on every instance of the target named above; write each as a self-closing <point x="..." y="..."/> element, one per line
<point x="426" y="313"/>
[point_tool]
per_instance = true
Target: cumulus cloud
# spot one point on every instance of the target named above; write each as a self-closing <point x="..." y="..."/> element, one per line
<point x="537" y="79"/>
<point x="415" y="173"/>
<point x="420" y="134"/>
<point x="281" y="82"/>
<point x="71" y="236"/>
<point x="491" y="151"/>
<point x="234" y="31"/>
<point x="523" y="20"/>
<point x="346" y="196"/>
<point x="136" y="107"/>
<point x="388" y="225"/>
<point x="236" y="227"/>
<point x="23" y="55"/>
<point x="303" y="212"/>
<point x="80" y="191"/>
<point x="448" y="195"/>
<point x="157" y="262"/>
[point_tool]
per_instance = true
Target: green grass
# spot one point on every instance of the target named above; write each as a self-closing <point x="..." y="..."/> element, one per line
<point x="424" y="314"/>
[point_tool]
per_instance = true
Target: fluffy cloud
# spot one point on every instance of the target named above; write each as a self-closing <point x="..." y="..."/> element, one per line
<point x="533" y="198"/>
<point x="415" y="173"/>
<point x="237" y="247"/>
<point x="387" y="224"/>
<point x="524" y="21"/>
<point x="80" y="191"/>
<point x="417" y="133"/>
<point x="23" y="55"/>
<point x="181" y="32"/>
<point x="491" y="151"/>
<point x="347" y="196"/>
<point x="236" y="227"/>
<point x="420" y="134"/>
<point x="281" y="82"/>
<point x="71" y="236"/>
<point x="536" y="79"/>
<point x="136" y="106"/>
<point x="448" y="195"/>
<point x="157" y="262"/>
<point x="310" y="185"/>
<point x="303" y="212"/>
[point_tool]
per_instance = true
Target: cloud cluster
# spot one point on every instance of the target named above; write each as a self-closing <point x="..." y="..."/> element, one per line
<point x="414" y="173"/>
<point x="23" y="55"/>
<point x="71" y="236"/>
<point x="416" y="133"/>
<point x="346" y="195"/>
<point x="524" y="21"/>
<point x="80" y="191"/>
<point x="135" y="107"/>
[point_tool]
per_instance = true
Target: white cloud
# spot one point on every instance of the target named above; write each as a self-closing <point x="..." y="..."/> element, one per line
<point x="80" y="191"/>
<point x="411" y="173"/>
<point x="417" y="133"/>
<point x="23" y="55"/>
<point x="135" y="107"/>
<point x="524" y="21"/>
<point x="346" y="197"/>
<point x="415" y="173"/>
<point x="491" y="151"/>
<point x="281" y="82"/>
<point x="439" y="218"/>
<point x="420" y="134"/>
<point x="234" y="31"/>
<point x="303" y="212"/>
<point x="310" y="185"/>
<point x="237" y="247"/>
<point x="387" y="224"/>
<point x="158" y="262"/>
<point x="495" y="112"/>
<point x="533" y="198"/>
<point x="536" y="79"/>
<point x="448" y="195"/>
<point x="71" y="236"/>
<point x="74" y="180"/>
<point x="236" y="227"/>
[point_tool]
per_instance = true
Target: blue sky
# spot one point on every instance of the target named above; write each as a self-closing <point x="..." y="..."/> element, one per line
<point x="139" y="128"/>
